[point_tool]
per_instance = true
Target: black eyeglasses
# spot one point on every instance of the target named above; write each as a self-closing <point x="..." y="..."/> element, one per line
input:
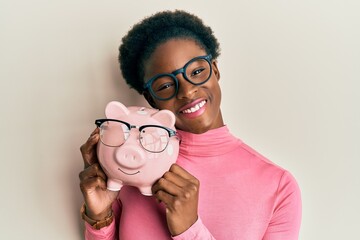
<point x="165" y="86"/>
<point x="153" y="138"/>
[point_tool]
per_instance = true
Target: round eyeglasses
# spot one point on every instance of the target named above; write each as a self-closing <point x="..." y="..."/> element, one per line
<point x="165" y="86"/>
<point x="153" y="138"/>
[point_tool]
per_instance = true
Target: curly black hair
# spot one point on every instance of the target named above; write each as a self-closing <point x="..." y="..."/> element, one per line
<point x="144" y="37"/>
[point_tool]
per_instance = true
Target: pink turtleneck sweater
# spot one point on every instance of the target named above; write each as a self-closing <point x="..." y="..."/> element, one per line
<point x="242" y="196"/>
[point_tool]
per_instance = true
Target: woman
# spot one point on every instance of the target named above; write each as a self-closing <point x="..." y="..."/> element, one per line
<point x="219" y="188"/>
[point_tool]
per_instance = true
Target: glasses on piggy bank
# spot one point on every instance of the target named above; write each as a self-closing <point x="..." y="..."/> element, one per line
<point x="153" y="138"/>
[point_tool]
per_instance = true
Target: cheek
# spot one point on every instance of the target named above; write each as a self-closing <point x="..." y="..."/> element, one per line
<point x="218" y="91"/>
<point x="215" y="90"/>
<point x="168" y="105"/>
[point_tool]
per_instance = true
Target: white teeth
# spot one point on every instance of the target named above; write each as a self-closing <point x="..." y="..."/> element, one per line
<point x="195" y="108"/>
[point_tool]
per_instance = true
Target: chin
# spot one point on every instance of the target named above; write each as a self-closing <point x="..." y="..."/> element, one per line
<point x="195" y="129"/>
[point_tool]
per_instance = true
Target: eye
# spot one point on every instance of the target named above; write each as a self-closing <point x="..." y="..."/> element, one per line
<point x="166" y="86"/>
<point x="197" y="71"/>
<point x="163" y="83"/>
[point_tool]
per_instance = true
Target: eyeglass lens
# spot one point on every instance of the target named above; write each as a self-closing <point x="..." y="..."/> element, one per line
<point x="113" y="133"/>
<point x="197" y="72"/>
<point x="152" y="138"/>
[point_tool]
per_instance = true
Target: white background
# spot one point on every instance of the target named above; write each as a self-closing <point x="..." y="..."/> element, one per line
<point x="290" y="74"/>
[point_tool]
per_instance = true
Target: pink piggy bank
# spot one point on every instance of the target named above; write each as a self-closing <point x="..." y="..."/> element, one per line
<point x="137" y="145"/>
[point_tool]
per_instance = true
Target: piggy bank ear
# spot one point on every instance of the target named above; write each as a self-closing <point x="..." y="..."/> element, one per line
<point x="115" y="110"/>
<point x="165" y="117"/>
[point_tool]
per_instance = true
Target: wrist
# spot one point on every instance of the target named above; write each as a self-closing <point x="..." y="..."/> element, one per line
<point x="100" y="221"/>
<point x="99" y="216"/>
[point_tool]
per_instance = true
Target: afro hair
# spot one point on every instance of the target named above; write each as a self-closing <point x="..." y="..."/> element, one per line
<point x="141" y="41"/>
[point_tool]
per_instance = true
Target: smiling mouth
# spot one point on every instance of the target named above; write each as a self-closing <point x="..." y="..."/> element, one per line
<point x="195" y="108"/>
<point x="128" y="173"/>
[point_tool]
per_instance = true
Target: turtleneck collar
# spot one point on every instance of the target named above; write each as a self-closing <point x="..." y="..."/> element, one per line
<point x="211" y="143"/>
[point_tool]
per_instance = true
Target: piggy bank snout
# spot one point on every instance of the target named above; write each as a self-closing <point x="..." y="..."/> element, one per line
<point x="130" y="156"/>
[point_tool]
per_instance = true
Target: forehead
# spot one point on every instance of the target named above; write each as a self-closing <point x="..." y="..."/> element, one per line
<point x="172" y="55"/>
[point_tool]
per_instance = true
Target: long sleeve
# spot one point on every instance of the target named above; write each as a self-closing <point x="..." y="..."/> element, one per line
<point x="286" y="220"/>
<point x="106" y="233"/>
<point x="197" y="231"/>
<point x="243" y="196"/>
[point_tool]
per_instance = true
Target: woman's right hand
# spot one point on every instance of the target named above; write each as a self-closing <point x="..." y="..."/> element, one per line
<point x="98" y="199"/>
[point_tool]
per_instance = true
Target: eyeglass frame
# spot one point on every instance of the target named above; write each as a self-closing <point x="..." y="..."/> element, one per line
<point x="147" y="85"/>
<point x="172" y="133"/>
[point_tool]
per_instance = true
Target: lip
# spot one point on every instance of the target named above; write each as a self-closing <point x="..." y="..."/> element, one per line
<point x="128" y="173"/>
<point x="193" y="104"/>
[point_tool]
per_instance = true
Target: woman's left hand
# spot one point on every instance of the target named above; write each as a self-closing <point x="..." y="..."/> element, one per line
<point x="179" y="191"/>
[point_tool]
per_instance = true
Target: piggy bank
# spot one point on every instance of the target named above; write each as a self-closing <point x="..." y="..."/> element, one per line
<point x="137" y="145"/>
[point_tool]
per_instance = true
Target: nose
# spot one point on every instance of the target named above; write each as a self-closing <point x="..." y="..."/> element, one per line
<point x="186" y="88"/>
<point x="130" y="155"/>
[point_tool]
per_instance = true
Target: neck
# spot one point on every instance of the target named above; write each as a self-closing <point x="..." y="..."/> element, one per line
<point x="204" y="127"/>
<point x="211" y="143"/>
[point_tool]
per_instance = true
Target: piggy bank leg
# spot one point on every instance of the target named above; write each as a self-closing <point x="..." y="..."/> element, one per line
<point x="114" y="185"/>
<point x="145" y="191"/>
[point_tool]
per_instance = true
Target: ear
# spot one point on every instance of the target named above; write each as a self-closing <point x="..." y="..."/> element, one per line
<point x="165" y="117"/>
<point x="216" y="69"/>
<point x="149" y="99"/>
<point x="115" y="110"/>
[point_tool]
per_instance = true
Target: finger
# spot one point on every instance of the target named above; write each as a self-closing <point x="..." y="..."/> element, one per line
<point x="165" y="198"/>
<point x="166" y="186"/>
<point x="90" y="185"/>
<point x="171" y="183"/>
<point x="180" y="171"/>
<point x="88" y="149"/>
<point x="180" y="177"/>
<point x="176" y="179"/>
<point x="92" y="171"/>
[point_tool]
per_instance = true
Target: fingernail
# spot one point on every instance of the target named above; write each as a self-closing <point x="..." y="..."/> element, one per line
<point x="93" y="133"/>
<point x="94" y="138"/>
